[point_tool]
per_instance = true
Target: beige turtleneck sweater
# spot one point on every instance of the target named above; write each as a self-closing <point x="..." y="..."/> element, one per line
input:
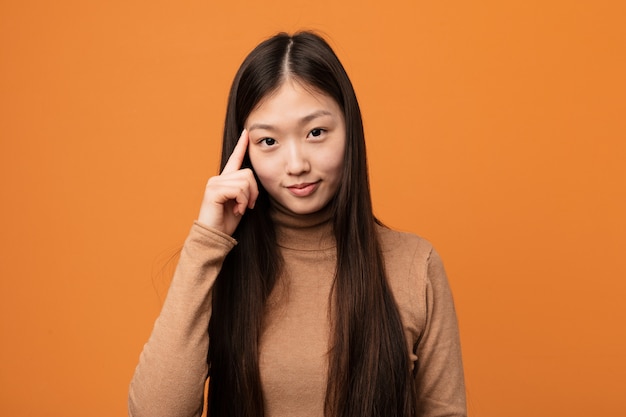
<point x="172" y="370"/>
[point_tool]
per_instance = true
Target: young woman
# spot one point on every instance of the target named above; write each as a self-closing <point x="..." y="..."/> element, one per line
<point x="289" y="295"/>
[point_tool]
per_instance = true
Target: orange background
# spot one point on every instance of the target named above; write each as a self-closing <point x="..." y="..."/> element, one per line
<point x="496" y="129"/>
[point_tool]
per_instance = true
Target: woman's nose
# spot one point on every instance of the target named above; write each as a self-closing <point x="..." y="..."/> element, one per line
<point x="297" y="161"/>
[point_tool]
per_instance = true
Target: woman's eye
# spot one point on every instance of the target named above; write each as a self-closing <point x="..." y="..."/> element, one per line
<point x="268" y="141"/>
<point x="316" y="132"/>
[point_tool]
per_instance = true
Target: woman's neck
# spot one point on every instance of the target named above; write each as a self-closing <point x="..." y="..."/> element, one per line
<point x="303" y="231"/>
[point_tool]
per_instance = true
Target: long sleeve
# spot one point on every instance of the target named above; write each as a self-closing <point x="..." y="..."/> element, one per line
<point x="439" y="377"/>
<point x="169" y="379"/>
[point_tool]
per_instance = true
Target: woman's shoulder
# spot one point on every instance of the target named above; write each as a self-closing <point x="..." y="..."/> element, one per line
<point x="407" y="257"/>
<point x="398" y="244"/>
<point x="411" y="261"/>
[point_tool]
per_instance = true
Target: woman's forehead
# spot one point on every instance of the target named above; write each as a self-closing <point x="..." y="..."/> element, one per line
<point x="293" y="101"/>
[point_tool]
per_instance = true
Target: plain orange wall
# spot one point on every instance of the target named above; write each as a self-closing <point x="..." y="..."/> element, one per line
<point x="496" y="129"/>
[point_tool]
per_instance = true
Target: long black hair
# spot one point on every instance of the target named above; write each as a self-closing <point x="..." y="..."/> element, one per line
<point x="368" y="369"/>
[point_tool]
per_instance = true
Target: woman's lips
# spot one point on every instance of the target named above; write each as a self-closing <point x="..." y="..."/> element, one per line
<point x="303" y="189"/>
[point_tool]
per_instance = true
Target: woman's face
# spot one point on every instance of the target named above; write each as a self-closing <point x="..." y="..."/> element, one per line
<point x="297" y="141"/>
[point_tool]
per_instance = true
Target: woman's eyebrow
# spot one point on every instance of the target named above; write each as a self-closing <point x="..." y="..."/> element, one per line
<point x="261" y="126"/>
<point x="306" y="119"/>
<point x="314" y="115"/>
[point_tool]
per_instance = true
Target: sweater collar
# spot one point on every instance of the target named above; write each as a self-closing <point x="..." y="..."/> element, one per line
<point x="303" y="231"/>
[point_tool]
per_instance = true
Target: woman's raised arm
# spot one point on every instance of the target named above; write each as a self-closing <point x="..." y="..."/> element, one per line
<point x="169" y="379"/>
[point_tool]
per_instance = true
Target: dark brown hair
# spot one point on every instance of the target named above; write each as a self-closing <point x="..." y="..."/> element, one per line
<point x="368" y="362"/>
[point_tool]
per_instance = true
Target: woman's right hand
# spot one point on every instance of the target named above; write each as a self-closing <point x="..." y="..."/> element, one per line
<point x="228" y="195"/>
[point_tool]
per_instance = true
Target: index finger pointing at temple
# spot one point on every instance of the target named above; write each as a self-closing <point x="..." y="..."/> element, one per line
<point x="236" y="158"/>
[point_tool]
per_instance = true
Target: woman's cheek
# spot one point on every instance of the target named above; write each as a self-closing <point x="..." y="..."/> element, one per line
<point x="262" y="168"/>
